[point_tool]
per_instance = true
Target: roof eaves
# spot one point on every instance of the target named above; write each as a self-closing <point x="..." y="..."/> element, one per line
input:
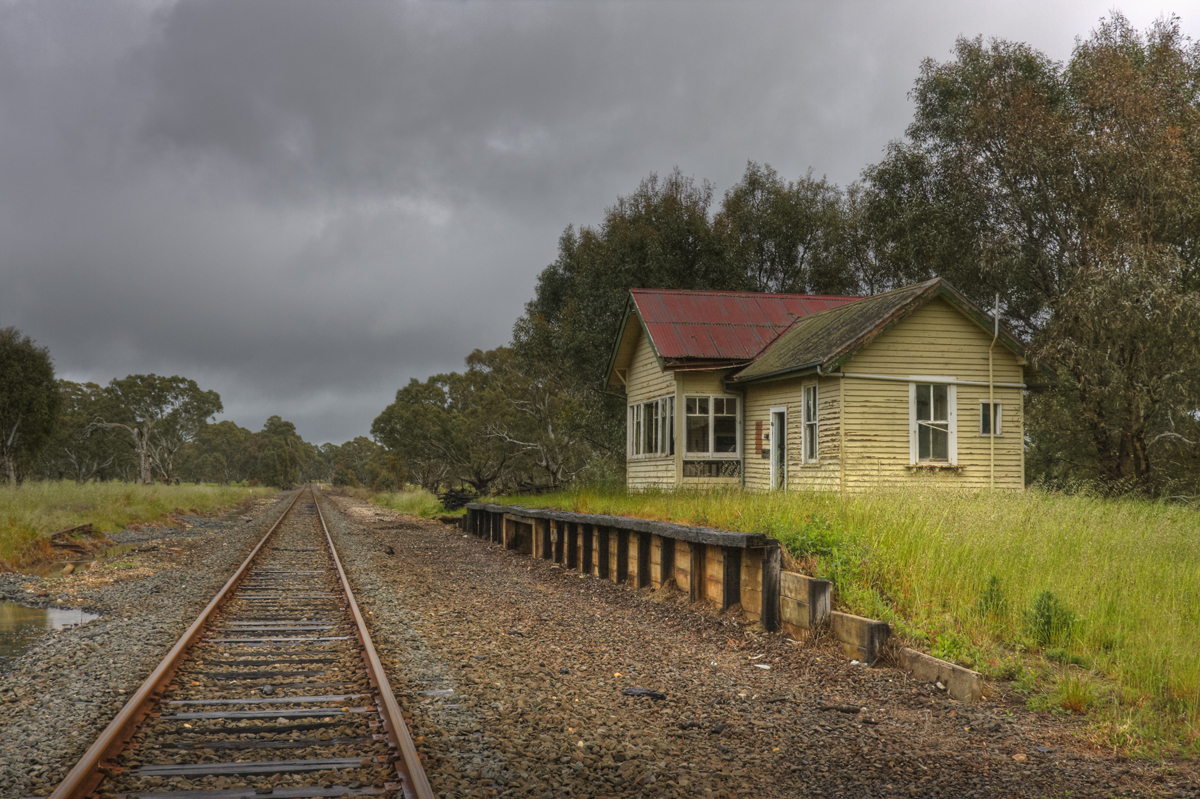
<point x="779" y="374"/>
<point x="704" y="364"/>
<point x="631" y="309"/>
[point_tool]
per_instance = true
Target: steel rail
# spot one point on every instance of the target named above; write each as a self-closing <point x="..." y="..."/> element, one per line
<point x="89" y="771"/>
<point x="415" y="784"/>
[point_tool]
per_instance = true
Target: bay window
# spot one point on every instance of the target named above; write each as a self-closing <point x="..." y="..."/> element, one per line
<point x="652" y="428"/>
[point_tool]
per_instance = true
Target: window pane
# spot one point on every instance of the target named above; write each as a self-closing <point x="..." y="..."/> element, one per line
<point x="697" y="433"/>
<point x="985" y="422"/>
<point x="810" y="404"/>
<point x="941" y="407"/>
<point x="923" y="403"/>
<point x="689" y="405"/>
<point x="725" y="429"/>
<point x="648" y="428"/>
<point x="702" y="405"/>
<point x="671" y="426"/>
<point x="923" y="447"/>
<point x="940" y="444"/>
<point x="725" y="424"/>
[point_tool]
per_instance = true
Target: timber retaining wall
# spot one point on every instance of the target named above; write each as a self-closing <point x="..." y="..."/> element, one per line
<point x="716" y="566"/>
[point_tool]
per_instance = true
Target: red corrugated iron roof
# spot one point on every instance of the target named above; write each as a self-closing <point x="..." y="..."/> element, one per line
<point x="722" y="325"/>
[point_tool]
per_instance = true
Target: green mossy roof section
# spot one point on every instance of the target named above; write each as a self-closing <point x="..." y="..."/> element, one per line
<point x="828" y="338"/>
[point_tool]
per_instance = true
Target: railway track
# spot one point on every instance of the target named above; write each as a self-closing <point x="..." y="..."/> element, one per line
<point x="275" y="690"/>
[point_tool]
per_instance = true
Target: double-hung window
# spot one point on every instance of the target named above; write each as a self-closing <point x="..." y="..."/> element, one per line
<point x="652" y="428"/>
<point x="991" y="418"/>
<point x="933" y="423"/>
<point x="712" y="426"/>
<point x="810" y="424"/>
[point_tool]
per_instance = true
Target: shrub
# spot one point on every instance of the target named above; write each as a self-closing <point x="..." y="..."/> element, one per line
<point x="992" y="604"/>
<point x="1049" y="621"/>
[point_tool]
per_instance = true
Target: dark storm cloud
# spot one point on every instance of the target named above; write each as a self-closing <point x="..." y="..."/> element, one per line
<point x="302" y="205"/>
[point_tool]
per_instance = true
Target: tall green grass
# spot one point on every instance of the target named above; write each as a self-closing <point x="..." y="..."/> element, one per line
<point x="415" y="502"/>
<point x="31" y="512"/>
<point x="1112" y="584"/>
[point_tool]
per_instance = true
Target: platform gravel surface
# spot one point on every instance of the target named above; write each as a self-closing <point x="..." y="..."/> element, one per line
<point x="514" y="671"/>
<point x="62" y="693"/>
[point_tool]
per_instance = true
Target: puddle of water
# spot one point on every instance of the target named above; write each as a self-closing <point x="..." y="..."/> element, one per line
<point x="56" y="569"/>
<point x="21" y="625"/>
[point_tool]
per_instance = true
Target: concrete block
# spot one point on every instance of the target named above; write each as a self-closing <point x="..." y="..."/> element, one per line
<point x="861" y="639"/>
<point x="961" y="683"/>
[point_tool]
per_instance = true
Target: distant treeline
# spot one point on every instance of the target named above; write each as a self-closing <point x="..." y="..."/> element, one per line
<point x="1070" y="189"/>
<point x="147" y="428"/>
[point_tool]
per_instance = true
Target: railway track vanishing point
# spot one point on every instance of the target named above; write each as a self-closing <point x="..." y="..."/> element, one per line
<point x="275" y="690"/>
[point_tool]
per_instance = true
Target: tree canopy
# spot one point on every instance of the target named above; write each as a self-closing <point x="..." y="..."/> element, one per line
<point x="1073" y="190"/>
<point x="29" y="401"/>
<point x="160" y="414"/>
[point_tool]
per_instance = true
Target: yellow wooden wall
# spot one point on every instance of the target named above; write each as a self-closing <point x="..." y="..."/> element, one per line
<point x="937" y="340"/>
<point x="761" y="398"/>
<point x="646" y="382"/>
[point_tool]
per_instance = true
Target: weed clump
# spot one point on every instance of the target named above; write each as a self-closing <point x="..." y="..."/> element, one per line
<point x="814" y="537"/>
<point x="1049" y="621"/>
<point x="992" y="604"/>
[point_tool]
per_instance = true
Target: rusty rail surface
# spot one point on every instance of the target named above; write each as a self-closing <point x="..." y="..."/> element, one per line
<point x="83" y="780"/>
<point x="408" y="764"/>
<point x="86" y="775"/>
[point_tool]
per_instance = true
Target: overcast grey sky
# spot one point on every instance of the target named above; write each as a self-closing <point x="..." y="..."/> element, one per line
<point x="302" y="205"/>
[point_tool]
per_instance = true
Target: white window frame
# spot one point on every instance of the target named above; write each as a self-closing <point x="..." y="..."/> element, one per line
<point x="997" y="418"/>
<point x="661" y="417"/>
<point x="709" y="454"/>
<point x="810" y="429"/>
<point x="951" y="421"/>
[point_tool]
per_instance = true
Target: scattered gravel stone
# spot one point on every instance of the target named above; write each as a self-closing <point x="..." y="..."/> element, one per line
<point x="62" y="693"/>
<point x="542" y="714"/>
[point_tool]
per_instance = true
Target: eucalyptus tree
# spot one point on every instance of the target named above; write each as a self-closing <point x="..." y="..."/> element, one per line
<point x="1073" y="190"/>
<point x="29" y="401"/>
<point x="441" y="430"/>
<point x="281" y="454"/>
<point x="78" y="449"/>
<point x="160" y="414"/>
<point x="786" y="236"/>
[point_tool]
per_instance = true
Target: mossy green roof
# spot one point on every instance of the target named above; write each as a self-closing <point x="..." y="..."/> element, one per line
<point x="829" y="338"/>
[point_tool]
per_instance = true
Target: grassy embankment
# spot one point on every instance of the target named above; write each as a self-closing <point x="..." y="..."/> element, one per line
<point x="30" y="513"/>
<point x="416" y="502"/>
<point x="1088" y="605"/>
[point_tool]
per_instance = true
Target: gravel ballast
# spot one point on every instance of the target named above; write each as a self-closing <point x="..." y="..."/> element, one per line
<point x="516" y="674"/>
<point x="62" y="693"/>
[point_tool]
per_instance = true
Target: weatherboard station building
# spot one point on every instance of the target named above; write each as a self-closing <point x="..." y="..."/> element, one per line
<point x="788" y="391"/>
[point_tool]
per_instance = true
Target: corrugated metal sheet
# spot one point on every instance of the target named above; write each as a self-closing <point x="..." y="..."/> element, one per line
<point x="721" y="325"/>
